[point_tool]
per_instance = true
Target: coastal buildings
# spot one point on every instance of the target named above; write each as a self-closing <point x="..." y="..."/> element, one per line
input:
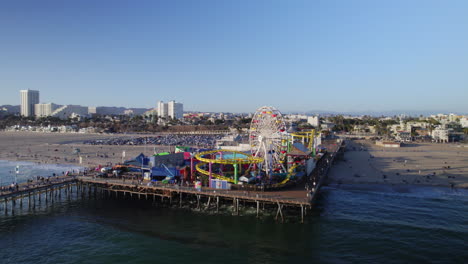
<point x="171" y="109"/>
<point x="328" y="126"/>
<point x="43" y="110"/>
<point x="403" y="136"/>
<point x="92" y="110"/>
<point x="28" y="99"/>
<point x="162" y="109"/>
<point x="313" y="121"/>
<point x="440" y="134"/>
<point x="175" y="110"/>
<point x="464" y="122"/>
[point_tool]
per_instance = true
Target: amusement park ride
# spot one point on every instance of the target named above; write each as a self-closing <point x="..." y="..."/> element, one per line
<point x="270" y="155"/>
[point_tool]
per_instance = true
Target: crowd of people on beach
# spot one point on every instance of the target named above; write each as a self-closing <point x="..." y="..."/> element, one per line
<point x="167" y="140"/>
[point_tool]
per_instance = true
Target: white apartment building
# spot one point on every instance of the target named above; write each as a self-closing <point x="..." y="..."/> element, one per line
<point x="464" y="122"/>
<point x="175" y="110"/>
<point x="162" y="109"/>
<point x="171" y="109"/>
<point x="28" y="99"/>
<point x="313" y="121"/>
<point x="440" y="134"/>
<point x="41" y="110"/>
<point x="129" y="112"/>
<point x="92" y="110"/>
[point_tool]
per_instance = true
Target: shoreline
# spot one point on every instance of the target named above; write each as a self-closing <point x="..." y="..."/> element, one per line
<point x="394" y="187"/>
<point x="444" y="165"/>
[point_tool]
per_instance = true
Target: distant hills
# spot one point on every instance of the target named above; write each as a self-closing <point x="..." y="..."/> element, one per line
<point x="13" y="109"/>
<point x="111" y="110"/>
<point x="383" y="113"/>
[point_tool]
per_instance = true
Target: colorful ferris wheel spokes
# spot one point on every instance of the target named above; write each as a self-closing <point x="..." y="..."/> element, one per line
<point x="267" y="139"/>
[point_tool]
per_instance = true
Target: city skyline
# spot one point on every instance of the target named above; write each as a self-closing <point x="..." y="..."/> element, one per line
<point x="237" y="56"/>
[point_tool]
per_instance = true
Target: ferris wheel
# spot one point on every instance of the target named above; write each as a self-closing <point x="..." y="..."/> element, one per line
<point x="267" y="139"/>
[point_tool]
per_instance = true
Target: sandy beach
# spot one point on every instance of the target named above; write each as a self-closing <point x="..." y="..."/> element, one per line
<point x="433" y="164"/>
<point x="60" y="148"/>
<point x="364" y="162"/>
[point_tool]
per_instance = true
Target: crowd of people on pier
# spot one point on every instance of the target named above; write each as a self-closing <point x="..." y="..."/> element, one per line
<point x="9" y="188"/>
<point x="35" y="182"/>
<point x="166" y="140"/>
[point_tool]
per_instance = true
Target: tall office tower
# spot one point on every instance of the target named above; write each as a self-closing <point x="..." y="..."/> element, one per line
<point x="175" y="110"/>
<point x="162" y="109"/>
<point x="28" y="99"/>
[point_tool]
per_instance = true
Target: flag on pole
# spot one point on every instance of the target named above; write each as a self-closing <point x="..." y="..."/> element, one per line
<point x="17" y="169"/>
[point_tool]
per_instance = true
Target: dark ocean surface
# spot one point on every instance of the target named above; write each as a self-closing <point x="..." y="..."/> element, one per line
<point x="349" y="224"/>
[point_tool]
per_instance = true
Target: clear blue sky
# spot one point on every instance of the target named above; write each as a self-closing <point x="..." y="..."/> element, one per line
<point x="238" y="55"/>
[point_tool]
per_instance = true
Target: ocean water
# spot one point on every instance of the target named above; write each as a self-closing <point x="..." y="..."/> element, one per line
<point x="350" y="224"/>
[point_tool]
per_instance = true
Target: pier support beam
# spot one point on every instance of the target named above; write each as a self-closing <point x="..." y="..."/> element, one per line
<point x="258" y="207"/>
<point x="180" y="199"/>
<point x="279" y="212"/>
<point x="302" y="214"/>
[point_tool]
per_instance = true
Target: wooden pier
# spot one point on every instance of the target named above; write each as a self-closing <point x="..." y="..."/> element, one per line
<point x="294" y="201"/>
<point x="34" y="192"/>
<point x="204" y="199"/>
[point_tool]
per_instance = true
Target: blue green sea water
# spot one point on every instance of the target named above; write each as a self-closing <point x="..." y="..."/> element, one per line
<point x="349" y="224"/>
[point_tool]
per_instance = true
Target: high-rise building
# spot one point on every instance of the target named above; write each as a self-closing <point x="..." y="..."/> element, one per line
<point x="171" y="109"/>
<point x="175" y="110"/>
<point x="162" y="109"/>
<point x="28" y="99"/>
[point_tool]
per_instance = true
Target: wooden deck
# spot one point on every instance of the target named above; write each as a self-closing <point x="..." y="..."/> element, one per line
<point x="300" y="196"/>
